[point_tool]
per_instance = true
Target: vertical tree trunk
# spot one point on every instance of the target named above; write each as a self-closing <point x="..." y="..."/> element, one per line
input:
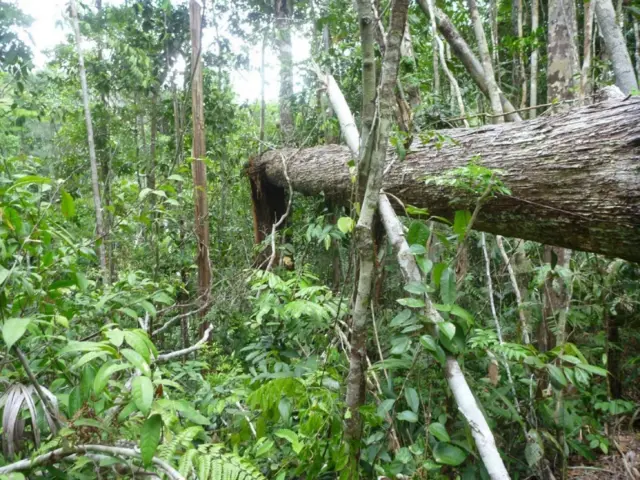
<point x="412" y="90"/>
<point x="533" y="90"/>
<point x="495" y="48"/>
<point x="585" y="85"/>
<point x="151" y="181"/>
<point x="92" y="149"/>
<point x="376" y="150"/>
<point x="284" y="13"/>
<point x="199" y="152"/>
<point x="487" y="66"/>
<point x="636" y="34"/>
<point x="616" y="47"/>
<point x="562" y="53"/>
<point x="521" y="66"/>
<point x="436" y="66"/>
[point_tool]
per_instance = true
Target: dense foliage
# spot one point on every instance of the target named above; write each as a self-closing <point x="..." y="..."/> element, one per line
<point x="249" y="382"/>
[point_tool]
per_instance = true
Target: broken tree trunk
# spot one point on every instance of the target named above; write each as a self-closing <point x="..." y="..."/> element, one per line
<point x="574" y="178"/>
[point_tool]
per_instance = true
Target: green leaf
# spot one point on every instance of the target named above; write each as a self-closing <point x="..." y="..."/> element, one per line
<point x="428" y="342"/>
<point x="150" y="438"/>
<point x="449" y="454"/>
<point x="86" y="358"/>
<point x="436" y="272"/>
<point x="13" y="330"/>
<point x="401" y="319"/>
<point x="411" y="302"/>
<point x="104" y="374"/>
<point x="4" y="274"/>
<point x="557" y="377"/>
<point x="142" y="391"/>
<point x="408" y="416"/>
<point x="448" y="286"/>
<point x="129" y="312"/>
<point x="592" y="369"/>
<point x="448" y="328"/>
<point x="148" y="307"/>
<point x="136" y="360"/>
<point x="418" y="233"/>
<point x="81" y="281"/>
<point x="417" y="288"/>
<point x="439" y="431"/>
<point x="416" y="249"/>
<point x="424" y="264"/>
<point x="461" y="221"/>
<point x="67" y="205"/>
<point x="411" y="396"/>
<point x="346" y="224"/>
<point x="264" y="448"/>
<point x="291" y="437"/>
<point x="138" y="344"/>
<point x="400" y="345"/>
<point x="115" y="336"/>
<point x="162" y="297"/>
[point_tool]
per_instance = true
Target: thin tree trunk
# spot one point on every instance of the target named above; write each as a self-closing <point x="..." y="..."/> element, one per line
<point x="436" y="66"/>
<point x="284" y="12"/>
<point x="467" y="57"/>
<point x="521" y="66"/>
<point x="153" y="135"/>
<point x="533" y="90"/>
<point x="522" y="315"/>
<point x="616" y="47"/>
<point x="92" y="149"/>
<point x="487" y="66"/>
<point x="585" y="84"/>
<point x="573" y="178"/>
<point x="263" y="104"/>
<point x="452" y="80"/>
<point x="495" y="47"/>
<point x="636" y="34"/>
<point x="376" y="149"/>
<point x="199" y="152"/>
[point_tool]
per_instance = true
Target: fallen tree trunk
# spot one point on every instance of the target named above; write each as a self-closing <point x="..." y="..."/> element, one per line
<point x="574" y="178"/>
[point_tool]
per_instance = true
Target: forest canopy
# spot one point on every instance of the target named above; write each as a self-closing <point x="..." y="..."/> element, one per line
<point x="410" y="253"/>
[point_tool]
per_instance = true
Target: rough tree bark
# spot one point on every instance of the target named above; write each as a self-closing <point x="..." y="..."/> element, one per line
<point x="563" y="70"/>
<point x="198" y="167"/>
<point x="615" y="46"/>
<point x="573" y="177"/>
<point x="97" y="202"/>
<point x="467" y="57"/>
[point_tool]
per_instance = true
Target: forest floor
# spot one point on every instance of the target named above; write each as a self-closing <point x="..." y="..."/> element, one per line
<point x="622" y="463"/>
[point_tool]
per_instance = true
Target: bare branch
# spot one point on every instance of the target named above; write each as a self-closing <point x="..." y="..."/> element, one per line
<point x="165" y="357"/>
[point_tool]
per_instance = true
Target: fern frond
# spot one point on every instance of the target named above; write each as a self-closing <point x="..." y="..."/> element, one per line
<point x="212" y="463"/>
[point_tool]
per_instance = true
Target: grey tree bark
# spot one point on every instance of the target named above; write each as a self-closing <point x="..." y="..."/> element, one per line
<point x="487" y="66"/>
<point x="573" y="177"/>
<point x="284" y="10"/>
<point x="563" y="69"/>
<point x="533" y="89"/>
<point x="467" y="57"/>
<point x="97" y="202"/>
<point x="615" y="46"/>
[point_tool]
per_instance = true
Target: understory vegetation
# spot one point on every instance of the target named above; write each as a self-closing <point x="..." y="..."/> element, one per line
<point x="152" y="326"/>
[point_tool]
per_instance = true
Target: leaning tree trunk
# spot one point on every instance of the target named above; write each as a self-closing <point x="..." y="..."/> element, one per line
<point x="615" y="46"/>
<point x="461" y="49"/>
<point x="574" y="177"/>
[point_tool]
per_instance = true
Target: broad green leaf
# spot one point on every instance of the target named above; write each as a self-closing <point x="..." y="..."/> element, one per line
<point x="142" y="392"/>
<point x="190" y="413"/>
<point x="126" y="412"/>
<point x="428" y="342"/>
<point x="401" y="319"/>
<point x="61" y="320"/>
<point x="176" y="177"/>
<point x="436" y="272"/>
<point x="264" y="448"/>
<point x="81" y="281"/>
<point x="417" y="288"/>
<point x="148" y="307"/>
<point x="162" y="297"/>
<point x="136" y="360"/>
<point x="448" y="286"/>
<point x="13" y="329"/>
<point x="129" y="312"/>
<point x="150" y="438"/>
<point x="416" y="249"/>
<point x="411" y="302"/>
<point x="4" y="274"/>
<point x="461" y="221"/>
<point x="448" y="328"/>
<point x="138" y="344"/>
<point x="291" y="437"/>
<point x="104" y="374"/>
<point x="439" y="431"/>
<point x="418" y="233"/>
<point x="86" y="358"/>
<point x="557" y="376"/>
<point x="411" y="396"/>
<point x="346" y="224"/>
<point x="115" y="336"/>
<point x="425" y="264"/>
<point x="592" y="369"/>
<point x="67" y="205"/>
<point x="408" y="416"/>
<point x="400" y="345"/>
<point x="449" y="454"/>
